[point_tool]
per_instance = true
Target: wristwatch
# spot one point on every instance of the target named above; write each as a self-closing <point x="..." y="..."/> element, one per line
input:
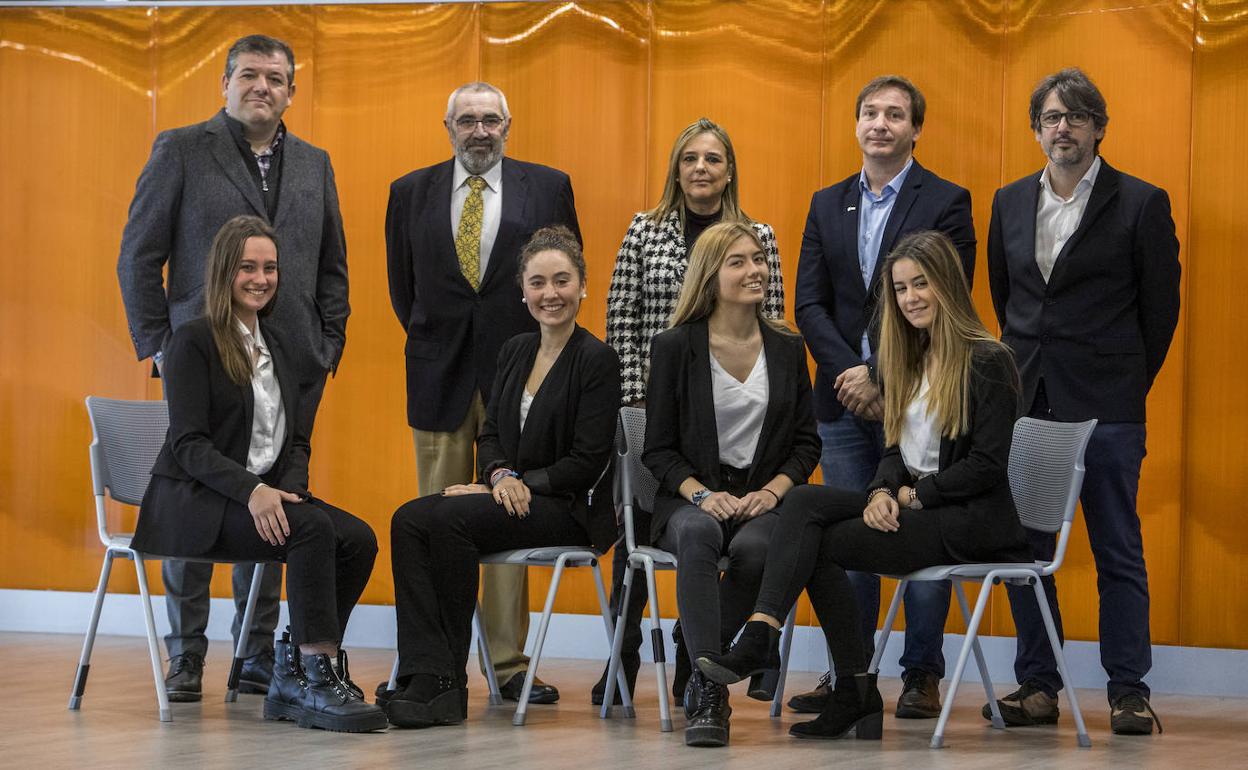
<point x="699" y="496"/>
<point x="915" y="503"/>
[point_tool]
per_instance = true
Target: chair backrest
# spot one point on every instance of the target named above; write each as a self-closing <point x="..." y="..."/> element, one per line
<point x="1046" y="470"/>
<point x="637" y="486"/>
<point x="126" y="437"/>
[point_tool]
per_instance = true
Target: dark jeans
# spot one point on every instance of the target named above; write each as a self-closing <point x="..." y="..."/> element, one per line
<point x="713" y="609"/>
<point x="1113" y="458"/>
<point x="852" y="448"/>
<point x="819" y="537"/>
<point x="436" y="545"/>
<point x="329" y="556"/>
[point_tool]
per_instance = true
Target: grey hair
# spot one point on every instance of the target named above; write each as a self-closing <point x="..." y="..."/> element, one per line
<point x="476" y="87"/>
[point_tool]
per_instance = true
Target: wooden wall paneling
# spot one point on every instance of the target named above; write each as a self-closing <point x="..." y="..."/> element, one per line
<point x="1140" y="56"/>
<point x="576" y="81"/>
<point x="75" y="85"/>
<point x="1215" y="542"/>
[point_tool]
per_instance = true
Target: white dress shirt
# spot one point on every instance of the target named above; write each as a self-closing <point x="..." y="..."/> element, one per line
<point x="739" y="411"/>
<point x="920" y="436"/>
<point x="268" y="417"/>
<point x="1058" y="218"/>
<point x="492" y="205"/>
<point x="526" y="401"/>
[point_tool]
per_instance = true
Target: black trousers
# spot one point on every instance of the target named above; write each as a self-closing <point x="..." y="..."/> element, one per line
<point x="436" y="544"/>
<point x="819" y="537"/>
<point x="329" y="556"/>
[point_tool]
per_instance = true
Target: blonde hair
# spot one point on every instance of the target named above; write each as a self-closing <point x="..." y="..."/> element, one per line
<point x="224" y="258"/>
<point x="950" y="342"/>
<point x="700" y="292"/>
<point x="674" y="197"/>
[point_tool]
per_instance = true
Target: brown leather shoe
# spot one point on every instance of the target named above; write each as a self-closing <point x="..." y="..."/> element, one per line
<point x="920" y="696"/>
<point x="1026" y="706"/>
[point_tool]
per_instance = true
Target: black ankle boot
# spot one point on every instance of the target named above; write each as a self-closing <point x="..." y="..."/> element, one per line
<point x="285" y="697"/>
<point x="328" y="703"/>
<point x="629" y="664"/>
<point x="708" y="724"/>
<point x="855" y="705"/>
<point x="757" y="650"/>
<point x="428" y="700"/>
<point x="683" y="668"/>
<point x="344" y="673"/>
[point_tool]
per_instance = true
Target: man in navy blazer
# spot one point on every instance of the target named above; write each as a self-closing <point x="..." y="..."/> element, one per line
<point x="1083" y="264"/>
<point x="453" y="234"/>
<point x="851" y="227"/>
<point x="241" y="161"/>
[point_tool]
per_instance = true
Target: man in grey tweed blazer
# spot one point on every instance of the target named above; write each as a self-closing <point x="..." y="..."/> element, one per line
<point x="240" y="161"/>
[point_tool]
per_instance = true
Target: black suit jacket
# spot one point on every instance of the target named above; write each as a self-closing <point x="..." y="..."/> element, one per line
<point x="970" y="493"/>
<point x="1098" y="331"/>
<point x="682" y="438"/>
<point x="569" y="433"/>
<point x="833" y="306"/>
<point x="454" y="334"/>
<point x="203" y="465"/>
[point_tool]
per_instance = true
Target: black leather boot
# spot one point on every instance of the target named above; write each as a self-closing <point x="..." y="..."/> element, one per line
<point x="708" y="725"/>
<point x="757" y="650"/>
<point x="285" y="697"/>
<point x="328" y="703"/>
<point x="855" y="705"/>
<point x="344" y="673"/>
<point x="428" y="700"/>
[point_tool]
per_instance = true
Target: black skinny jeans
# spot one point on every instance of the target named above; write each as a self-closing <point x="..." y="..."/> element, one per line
<point x="436" y="545"/>
<point x="329" y="556"/>
<point x="822" y="534"/>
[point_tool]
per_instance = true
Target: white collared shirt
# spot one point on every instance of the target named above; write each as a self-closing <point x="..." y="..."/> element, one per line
<point x="268" y="417"/>
<point x="1058" y="218"/>
<point x="492" y="205"/>
<point x="739" y="410"/>
<point x="920" y="436"/>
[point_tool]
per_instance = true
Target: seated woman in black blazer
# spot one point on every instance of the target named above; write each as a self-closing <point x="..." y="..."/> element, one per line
<point x="729" y="432"/>
<point x="231" y="481"/>
<point x="549" y="429"/>
<point x="941" y="494"/>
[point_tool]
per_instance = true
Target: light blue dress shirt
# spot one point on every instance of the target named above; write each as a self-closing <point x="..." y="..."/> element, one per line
<point x="873" y="212"/>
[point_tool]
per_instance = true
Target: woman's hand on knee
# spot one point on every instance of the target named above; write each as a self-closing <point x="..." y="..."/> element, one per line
<point x="721" y="506"/>
<point x="265" y="505"/>
<point x="757" y="503"/>
<point x="512" y="493"/>
<point x="455" y="490"/>
<point x="881" y="513"/>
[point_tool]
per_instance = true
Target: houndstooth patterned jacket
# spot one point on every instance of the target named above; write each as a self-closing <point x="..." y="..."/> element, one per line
<point x="649" y="272"/>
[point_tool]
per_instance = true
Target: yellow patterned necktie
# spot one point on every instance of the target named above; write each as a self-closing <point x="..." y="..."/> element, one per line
<point x="468" y="239"/>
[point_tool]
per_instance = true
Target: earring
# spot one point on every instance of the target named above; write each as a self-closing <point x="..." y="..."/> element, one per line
<point x="523" y="301"/>
<point x="584" y="295"/>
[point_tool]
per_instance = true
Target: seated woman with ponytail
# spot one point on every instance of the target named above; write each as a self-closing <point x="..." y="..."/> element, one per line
<point x="941" y="494"/>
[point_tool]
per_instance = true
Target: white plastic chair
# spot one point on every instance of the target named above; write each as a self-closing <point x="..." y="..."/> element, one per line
<point x="127" y="437"/>
<point x="1046" y="475"/>
<point x="636" y="486"/>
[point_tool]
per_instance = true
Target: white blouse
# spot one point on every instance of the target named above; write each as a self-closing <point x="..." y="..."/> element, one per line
<point x="526" y="401"/>
<point x="739" y="411"/>
<point x="920" y="436"/>
<point x="268" y="415"/>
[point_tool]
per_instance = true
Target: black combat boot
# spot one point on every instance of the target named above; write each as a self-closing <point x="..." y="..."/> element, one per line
<point x="285" y="697"/>
<point x="708" y="725"/>
<point x="328" y="703"/>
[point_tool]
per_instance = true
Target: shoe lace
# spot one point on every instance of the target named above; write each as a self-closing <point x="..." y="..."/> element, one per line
<point x="711" y="696"/>
<point x="1135" y="702"/>
<point x="825" y="680"/>
<point x="178" y="663"/>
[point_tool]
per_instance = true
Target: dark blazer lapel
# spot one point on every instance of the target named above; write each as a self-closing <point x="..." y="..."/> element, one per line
<point x="541" y="410"/>
<point x="513" y="220"/>
<point x="1026" y="250"/>
<point x="777" y="384"/>
<point x="225" y="152"/>
<point x="701" y="391"/>
<point x="906" y="197"/>
<point x="848" y="216"/>
<point x="294" y="165"/>
<point x="437" y="222"/>
<point x="1103" y="191"/>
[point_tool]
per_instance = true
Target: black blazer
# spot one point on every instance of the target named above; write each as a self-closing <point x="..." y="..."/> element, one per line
<point x="970" y="493"/>
<point x="682" y="439"/>
<point x="832" y="306"/>
<point x="569" y="434"/>
<point x="1098" y="331"/>
<point x="203" y="465"/>
<point x="454" y="334"/>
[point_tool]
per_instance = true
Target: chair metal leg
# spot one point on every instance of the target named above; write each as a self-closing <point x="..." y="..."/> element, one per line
<point x="88" y="643"/>
<point x="1081" y="734"/>
<point x="785" y="645"/>
<point x="145" y="596"/>
<point x="393" y="684"/>
<point x="889" y="619"/>
<point x="972" y="629"/>
<point x="534" y="659"/>
<point x="660" y="652"/>
<point x="236" y="668"/>
<point x="617" y="643"/>
<point x="626" y="698"/>
<point x="984" y="676"/>
<point x="487" y="664"/>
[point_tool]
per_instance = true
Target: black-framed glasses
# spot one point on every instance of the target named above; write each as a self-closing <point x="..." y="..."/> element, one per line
<point x="468" y="123"/>
<point x="1074" y="118"/>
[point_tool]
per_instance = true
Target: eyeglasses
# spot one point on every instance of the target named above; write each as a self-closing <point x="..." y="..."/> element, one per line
<point x="489" y="123"/>
<point x="1074" y="118"/>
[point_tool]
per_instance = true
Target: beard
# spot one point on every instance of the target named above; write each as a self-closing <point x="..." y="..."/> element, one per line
<point x="476" y="161"/>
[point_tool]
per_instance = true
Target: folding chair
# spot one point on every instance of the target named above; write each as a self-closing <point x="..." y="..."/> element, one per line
<point x="127" y="436"/>
<point x="1046" y="475"/>
<point x="636" y="486"/>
